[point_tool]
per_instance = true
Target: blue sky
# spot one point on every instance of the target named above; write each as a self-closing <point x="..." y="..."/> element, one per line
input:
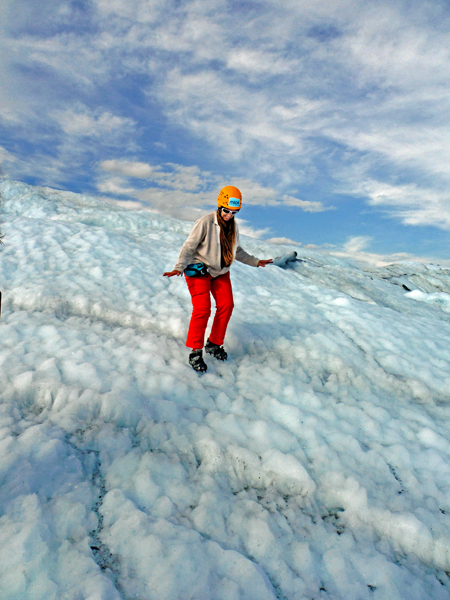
<point x="333" y="117"/>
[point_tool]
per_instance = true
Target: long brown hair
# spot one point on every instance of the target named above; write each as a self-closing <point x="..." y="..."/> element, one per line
<point x="227" y="237"/>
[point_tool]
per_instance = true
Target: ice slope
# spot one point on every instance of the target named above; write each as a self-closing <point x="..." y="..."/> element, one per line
<point x="315" y="464"/>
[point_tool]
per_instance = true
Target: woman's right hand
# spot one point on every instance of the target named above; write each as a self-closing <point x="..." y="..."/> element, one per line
<point x="172" y="273"/>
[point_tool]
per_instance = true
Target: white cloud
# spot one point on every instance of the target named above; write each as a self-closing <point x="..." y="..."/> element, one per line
<point x="266" y="196"/>
<point x="400" y="49"/>
<point x="239" y="122"/>
<point x="357" y="244"/>
<point x="283" y="241"/>
<point x="116" y="186"/>
<point x="249" y="231"/>
<point x="6" y="159"/>
<point x="172" y="176"/>
<point x="306" y="205"/>
<point x="178" y="188"/>
<point x="142" y="11"/>
<point x="355" y="249"/>
<point x="6" y="156"/>
<point x="136" y="169"/>
<point x="257" y="62"/>
<point x="410" y="203"/>
<point x="82" y="122"/>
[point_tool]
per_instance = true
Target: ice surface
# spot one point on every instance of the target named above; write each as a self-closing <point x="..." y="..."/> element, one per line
<point x="314" y="464"/>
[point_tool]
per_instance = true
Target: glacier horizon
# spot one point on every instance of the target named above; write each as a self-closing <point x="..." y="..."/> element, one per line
<point x="315" y="464"/>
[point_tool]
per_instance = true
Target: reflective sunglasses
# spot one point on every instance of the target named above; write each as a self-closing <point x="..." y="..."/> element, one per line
<point x="228" y="211"/>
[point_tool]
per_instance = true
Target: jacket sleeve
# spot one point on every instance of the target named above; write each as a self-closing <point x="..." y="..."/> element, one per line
<point x="246" y="258"/>
<point x="189" y="247"/>
<point x="243" y="256"/>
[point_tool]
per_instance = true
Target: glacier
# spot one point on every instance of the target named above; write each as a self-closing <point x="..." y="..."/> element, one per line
<point x="314" y="464"/>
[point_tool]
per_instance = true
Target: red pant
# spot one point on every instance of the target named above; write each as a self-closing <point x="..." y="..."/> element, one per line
<point x="201" y="289"/>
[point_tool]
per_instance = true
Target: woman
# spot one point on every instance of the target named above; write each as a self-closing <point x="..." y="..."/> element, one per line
<point x="205" y="259"/>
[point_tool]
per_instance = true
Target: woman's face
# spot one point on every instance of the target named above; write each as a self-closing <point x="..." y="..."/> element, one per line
<point x="226" y="216"/>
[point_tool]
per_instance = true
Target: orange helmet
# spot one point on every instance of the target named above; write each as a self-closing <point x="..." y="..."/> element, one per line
<point x="230" y="197"/>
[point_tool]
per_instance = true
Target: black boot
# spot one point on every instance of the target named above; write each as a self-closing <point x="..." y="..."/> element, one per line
<point x="196" y="361"/>
<point x="217" y="351"/>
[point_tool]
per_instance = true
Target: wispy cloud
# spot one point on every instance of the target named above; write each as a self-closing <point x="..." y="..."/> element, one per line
<point x="282" y="241"/>
<point x="178" y="177"/>
<point x="81" y="122"/>
<point x="412" y="204"/>
<point x="6" y="156"/>
<point x="256" y="63"/>
<point x="306" y="205"/>
<point x="177" y="189"/>
<point x="357" y="248"/>
<point x="357" y="244"/>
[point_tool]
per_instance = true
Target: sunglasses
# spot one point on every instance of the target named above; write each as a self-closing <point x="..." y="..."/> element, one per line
<point x="228" y="211"/>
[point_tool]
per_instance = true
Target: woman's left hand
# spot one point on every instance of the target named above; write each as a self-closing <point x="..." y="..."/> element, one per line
<point x="263" y="263"/>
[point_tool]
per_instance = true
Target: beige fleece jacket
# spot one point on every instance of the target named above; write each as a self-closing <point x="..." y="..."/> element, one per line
<point x="203" y="245"/>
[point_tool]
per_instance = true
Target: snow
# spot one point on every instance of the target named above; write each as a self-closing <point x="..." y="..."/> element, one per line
<point x="314" y="464"/>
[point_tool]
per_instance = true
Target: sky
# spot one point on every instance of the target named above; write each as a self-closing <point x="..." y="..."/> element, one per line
<point x="333" y="118"/>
